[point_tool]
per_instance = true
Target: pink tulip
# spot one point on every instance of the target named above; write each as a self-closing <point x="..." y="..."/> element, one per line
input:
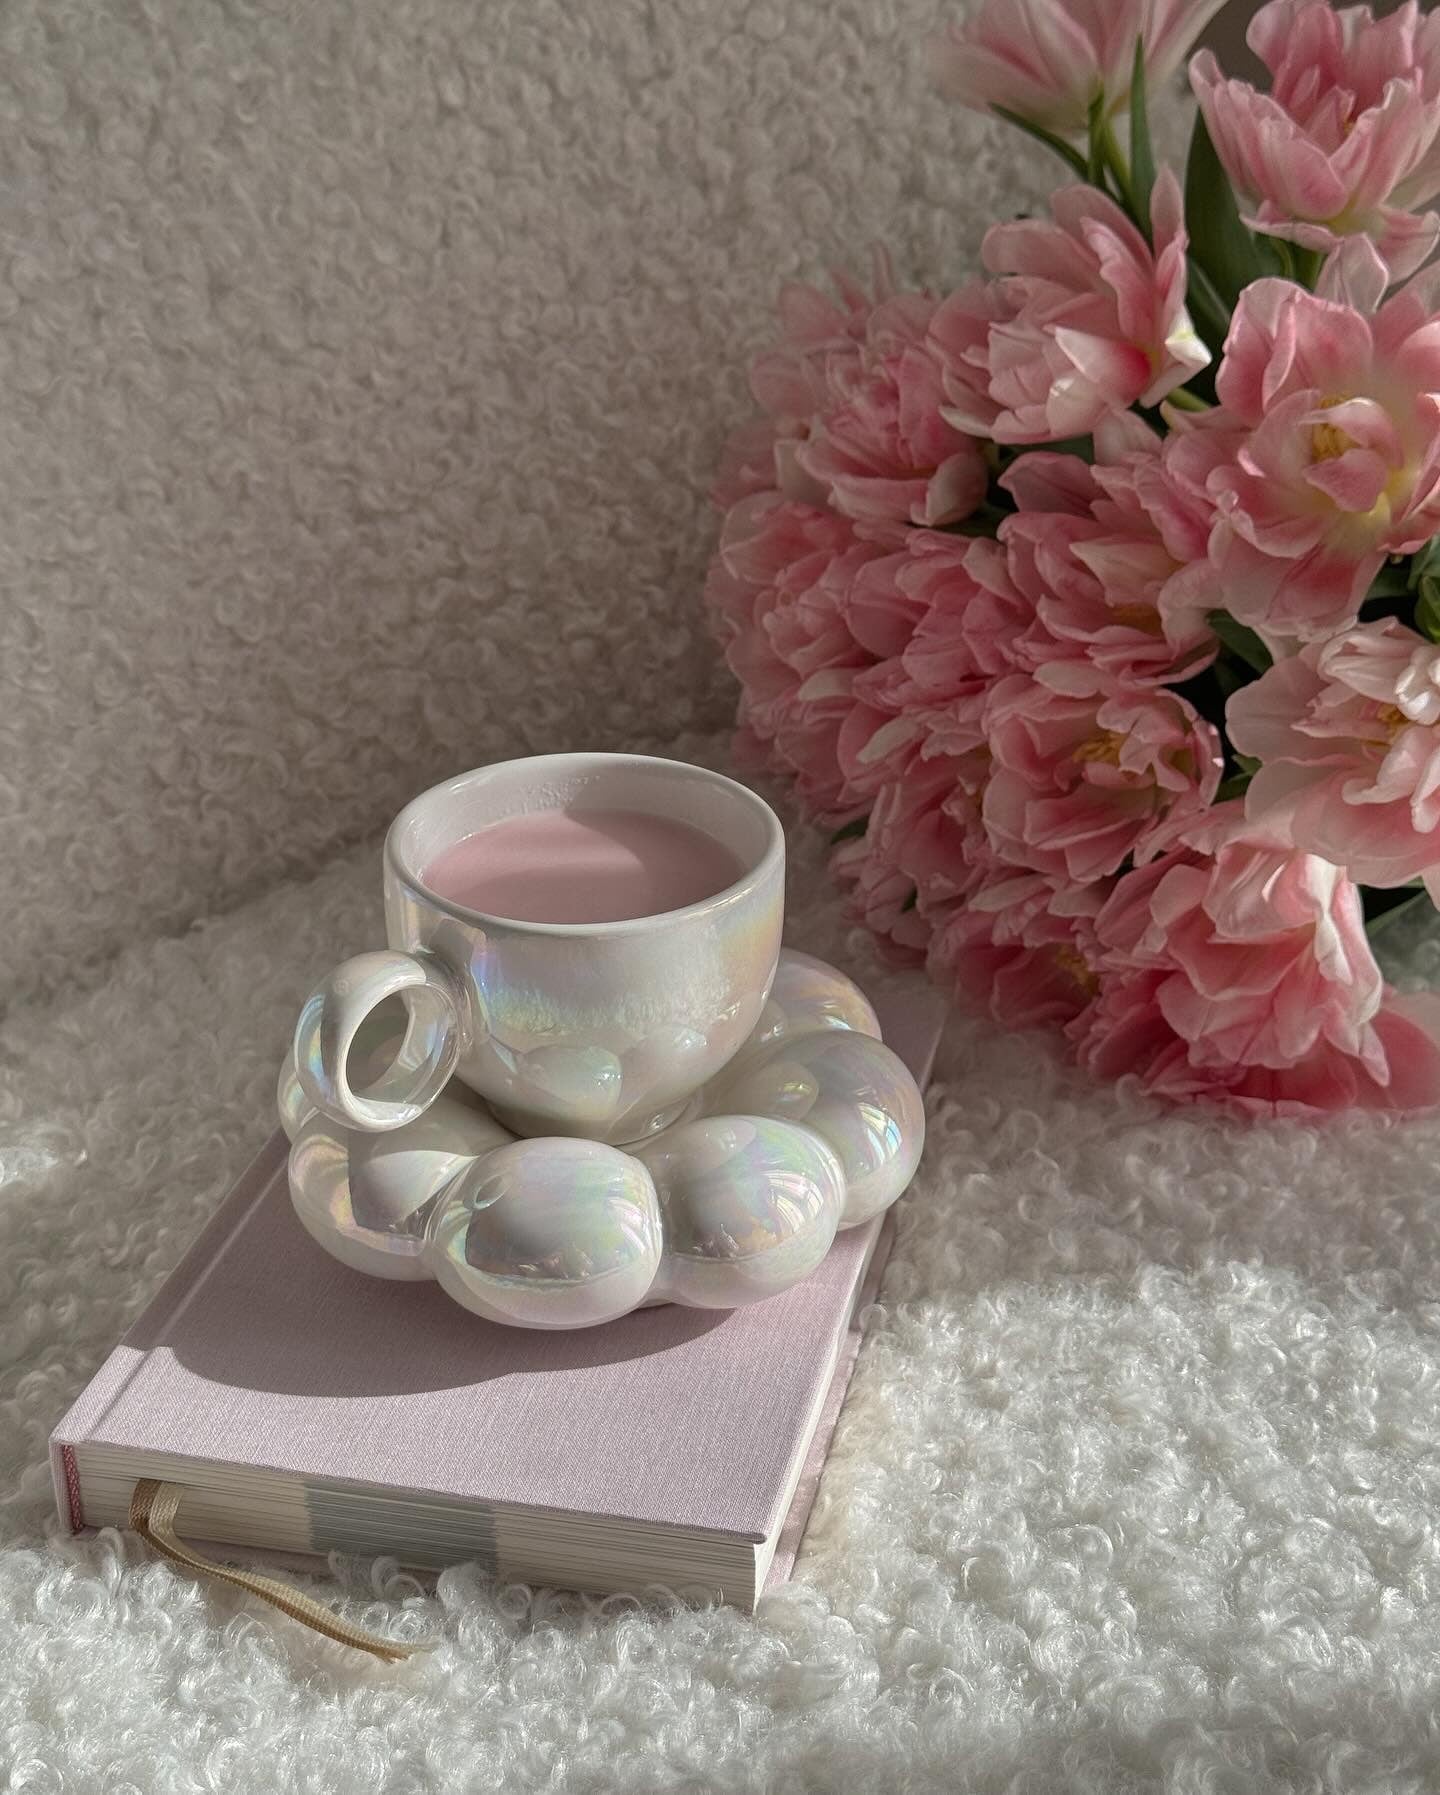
<point x="881" y="899"/>
<point x="852" y="397"/>
<point x="1088" y="769"/>
<point x="1263" y="949"/>
<point x="959" y="649"/>
<point x="880" y="446"/>
<point x="943" y="621"/>
<point x="1237" y="970"/>
<point x="1083" y="321"/>
<point x="762" y="539"/>
<point x="1125" y="1033"/>
<point x="1048" y="59"/>
<point x="1348" y="138"/>
<point x="789" y="382"/>
<point x="1112" y="557"/>
<point x="1322" y="458"/>
<point x="780" y="589"/>
<point x="920" y="854"/>
<point x="1348" y="733"/>
<point x="1022" y="947"/>
<point x="882" y="729"/>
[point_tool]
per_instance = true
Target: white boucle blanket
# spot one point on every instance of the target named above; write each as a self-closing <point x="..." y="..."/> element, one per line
<point x="365" y="368"/>
<point x="1136" y="1487"/>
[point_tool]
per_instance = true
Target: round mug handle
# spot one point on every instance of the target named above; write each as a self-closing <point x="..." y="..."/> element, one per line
<point x="423" y="1062"/>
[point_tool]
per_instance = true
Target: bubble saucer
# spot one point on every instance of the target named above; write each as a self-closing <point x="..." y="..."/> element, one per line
<point x="813" y="1126"/>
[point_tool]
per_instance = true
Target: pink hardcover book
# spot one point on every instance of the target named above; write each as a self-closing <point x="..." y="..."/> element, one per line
<point x="306" y="1408"/>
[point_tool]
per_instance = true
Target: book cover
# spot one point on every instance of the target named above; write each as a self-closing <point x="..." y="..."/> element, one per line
<point x="334" y="1397"/>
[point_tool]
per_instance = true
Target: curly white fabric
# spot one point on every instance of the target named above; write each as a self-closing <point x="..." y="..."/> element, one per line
<point x="1136" y="1487"/>
<point x="366" y="364"/>
<point x="364" y="368"/>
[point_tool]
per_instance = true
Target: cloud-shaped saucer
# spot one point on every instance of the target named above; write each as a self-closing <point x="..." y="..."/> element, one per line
<point x="814" y="1126"/>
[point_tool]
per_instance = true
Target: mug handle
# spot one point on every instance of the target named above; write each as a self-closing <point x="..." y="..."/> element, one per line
<point x="424" y="1061"/>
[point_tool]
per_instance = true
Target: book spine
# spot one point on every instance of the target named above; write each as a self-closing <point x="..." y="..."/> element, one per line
<point x="67" y="1486"/>
<point x="792" y="1532"/>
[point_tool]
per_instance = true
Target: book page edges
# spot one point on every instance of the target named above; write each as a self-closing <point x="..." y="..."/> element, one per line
<point x="911" y="1020"/>
<point x="817" y="1448"/>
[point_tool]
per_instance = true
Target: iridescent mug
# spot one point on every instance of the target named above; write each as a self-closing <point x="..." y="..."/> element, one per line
<point x="604" y="1030"/>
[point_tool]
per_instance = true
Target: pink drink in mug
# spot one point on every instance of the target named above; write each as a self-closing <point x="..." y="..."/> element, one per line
<point x="655" y="898"/>
<point x="576" y="866"/>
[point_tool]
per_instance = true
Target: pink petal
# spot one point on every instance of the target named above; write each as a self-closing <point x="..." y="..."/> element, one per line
<point x="1354" y="480"/>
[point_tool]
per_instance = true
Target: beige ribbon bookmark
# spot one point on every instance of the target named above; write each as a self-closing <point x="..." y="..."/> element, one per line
<point x="153" y="1507"/>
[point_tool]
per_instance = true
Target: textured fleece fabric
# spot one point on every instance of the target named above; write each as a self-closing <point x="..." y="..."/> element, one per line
<point x="366" y="363"/>
<point x="1135" y="1489"/>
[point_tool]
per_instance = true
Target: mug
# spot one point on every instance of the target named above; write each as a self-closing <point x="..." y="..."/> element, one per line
<point x="602" y="1029"/>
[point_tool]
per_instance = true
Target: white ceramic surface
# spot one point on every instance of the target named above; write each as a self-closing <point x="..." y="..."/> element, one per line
<point x="602" y="1030"/>
<point x="815" y="1126"/>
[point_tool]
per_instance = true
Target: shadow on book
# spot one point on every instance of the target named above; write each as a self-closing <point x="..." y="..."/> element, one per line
<point x="306" y="1408"/>
<point x="287" y="1319"/>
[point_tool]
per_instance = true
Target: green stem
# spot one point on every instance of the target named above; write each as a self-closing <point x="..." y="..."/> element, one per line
<point x="1241" y="640"/>
<point x="1307" y="264"/>
<point x="1113" y="158"/>
<point x="1094" y="166"/>
<point x="1211" y="314"/>
<point x="1184" y="401"/>
<point x="1065" y="151"/>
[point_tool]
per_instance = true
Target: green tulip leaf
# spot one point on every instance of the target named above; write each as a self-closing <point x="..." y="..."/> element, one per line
<point x="1229" y="254"/>
<point x="1242" y="641"/>
<point x="1142" y="153"/>
<point x="1048" y="138"/>
<point x="1427" y="606"/>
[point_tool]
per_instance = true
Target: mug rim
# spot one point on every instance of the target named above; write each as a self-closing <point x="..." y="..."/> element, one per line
<point x="772" y="859"/>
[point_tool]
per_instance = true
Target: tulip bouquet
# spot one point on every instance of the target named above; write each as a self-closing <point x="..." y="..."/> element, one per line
<point x="1095" y="605"/>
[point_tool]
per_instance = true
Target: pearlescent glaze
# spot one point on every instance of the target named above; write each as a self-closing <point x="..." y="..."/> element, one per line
<point x="294" y="1107"/>
<point x="602" y="1030"/>
<point x="750" y="1206"/>
<point x="549" y="1233"/>
<point x="377" y="1042"/>
<point x="857" y="1096"/>
<point x="809" y="994"/>
<point x="817" y="1128"/>
<point x="367" y="1198"/>
<point x="336" y="1014"/>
